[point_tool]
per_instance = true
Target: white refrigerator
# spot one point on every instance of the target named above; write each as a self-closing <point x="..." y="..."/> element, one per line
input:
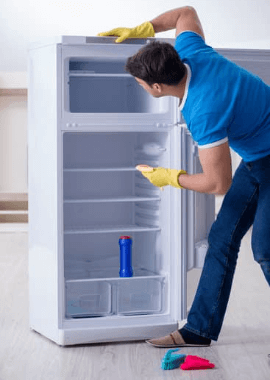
<point x="90" y="124"/>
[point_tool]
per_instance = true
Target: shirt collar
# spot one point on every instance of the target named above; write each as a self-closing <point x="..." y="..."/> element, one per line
<point x="183" y="101"/>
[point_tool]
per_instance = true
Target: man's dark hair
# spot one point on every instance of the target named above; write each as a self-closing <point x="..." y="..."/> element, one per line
<point x="157" y="62"/>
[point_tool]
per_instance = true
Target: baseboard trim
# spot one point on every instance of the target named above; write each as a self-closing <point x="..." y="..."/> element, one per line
<point x="13" y="208"/>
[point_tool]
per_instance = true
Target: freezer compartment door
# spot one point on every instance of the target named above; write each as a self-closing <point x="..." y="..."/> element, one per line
<point x="255" y="61"/>
<point x="200" y="207"/>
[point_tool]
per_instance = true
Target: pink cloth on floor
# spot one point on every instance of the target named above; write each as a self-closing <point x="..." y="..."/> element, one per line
<point x="195" y="362"/>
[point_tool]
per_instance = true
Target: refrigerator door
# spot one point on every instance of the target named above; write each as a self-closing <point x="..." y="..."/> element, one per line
<point x="193" y="215"/>
<point x="255" y="61"/>
<point x="199" y="209"/>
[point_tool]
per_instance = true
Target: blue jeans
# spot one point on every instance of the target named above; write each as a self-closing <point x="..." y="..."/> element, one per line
<point x="246" y="203"/>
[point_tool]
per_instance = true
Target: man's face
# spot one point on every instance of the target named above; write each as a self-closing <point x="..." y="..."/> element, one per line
<point x="155" y="89"/>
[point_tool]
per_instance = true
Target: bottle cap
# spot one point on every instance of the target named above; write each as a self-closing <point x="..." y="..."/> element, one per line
<point x="125" y="237"/>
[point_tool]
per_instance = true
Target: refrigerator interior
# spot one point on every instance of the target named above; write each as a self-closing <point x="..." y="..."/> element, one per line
<point x="106" y="197"/>
<point x="101" y="85"/>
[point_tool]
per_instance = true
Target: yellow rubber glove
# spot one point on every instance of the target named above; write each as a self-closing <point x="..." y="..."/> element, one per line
<point x="161" y="177"/>
<point x="142" y="31"/>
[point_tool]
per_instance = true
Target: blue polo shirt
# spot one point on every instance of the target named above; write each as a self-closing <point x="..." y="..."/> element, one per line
<point x="222" y="101"/>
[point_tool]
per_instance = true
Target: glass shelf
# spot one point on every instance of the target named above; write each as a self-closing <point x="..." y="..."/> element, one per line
<point x="85" y="274"/>
<point x="98" y="75"/>
<point x="124" y="169"/>
<point x="120" y="229"/>
<point x="120" y="199"/>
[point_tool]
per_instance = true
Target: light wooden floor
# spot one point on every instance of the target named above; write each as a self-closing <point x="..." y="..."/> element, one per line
<point x="240" y="353"/>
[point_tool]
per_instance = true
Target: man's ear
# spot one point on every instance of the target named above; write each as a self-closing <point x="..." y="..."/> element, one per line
<point x="157" y="87"/>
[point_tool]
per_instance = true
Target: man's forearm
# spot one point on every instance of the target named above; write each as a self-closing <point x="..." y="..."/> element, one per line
<point x="168" y="20"/>
<point x="201" y="183"/>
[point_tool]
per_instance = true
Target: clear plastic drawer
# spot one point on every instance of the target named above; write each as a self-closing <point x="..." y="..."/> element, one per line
<point x="88" y="298"/>
<point x="131" y="296"/>
<point x="142" y="296"/>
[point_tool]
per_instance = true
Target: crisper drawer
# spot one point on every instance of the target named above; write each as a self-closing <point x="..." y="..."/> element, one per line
<point x="139" y="297"/>
<point x="88" y="298"/>
<point x="92" y="298"/>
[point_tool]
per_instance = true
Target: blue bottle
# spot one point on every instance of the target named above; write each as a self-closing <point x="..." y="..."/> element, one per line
<point x="125" y="243"/>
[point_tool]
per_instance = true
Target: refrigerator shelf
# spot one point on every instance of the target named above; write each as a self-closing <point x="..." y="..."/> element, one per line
<point x="97" y="75"/>
<point x="115" y="169"/>
<point x="112" y="229"/>
<point x="84" y="272"/>
<point x="120" y="199"/>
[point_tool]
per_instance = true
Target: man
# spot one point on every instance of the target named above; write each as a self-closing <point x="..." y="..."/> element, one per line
<point x="223" y="105"/>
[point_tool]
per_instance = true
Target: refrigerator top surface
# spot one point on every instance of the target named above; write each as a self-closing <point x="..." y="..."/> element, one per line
<point x="88" y="40"/>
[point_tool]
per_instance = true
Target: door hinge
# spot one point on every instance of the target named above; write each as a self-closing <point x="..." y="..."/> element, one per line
<point x="180" y="124"/>
<point x="200" y="252"/>
<point x="170" y="125"/>
<point x="195" y="150"/>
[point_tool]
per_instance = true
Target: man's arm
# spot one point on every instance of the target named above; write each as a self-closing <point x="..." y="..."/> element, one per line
<point x="181" y="19"/>
<point x="217" y="171"/>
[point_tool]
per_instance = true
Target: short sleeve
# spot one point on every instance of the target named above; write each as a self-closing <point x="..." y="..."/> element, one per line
<point x="209" y="130"/>
<point x="188" y="43"/>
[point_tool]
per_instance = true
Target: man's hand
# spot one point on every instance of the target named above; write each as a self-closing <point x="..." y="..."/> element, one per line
<point x="181" y="19"/>
<point x="161" y="177"/>
<point x="142" y="31"/>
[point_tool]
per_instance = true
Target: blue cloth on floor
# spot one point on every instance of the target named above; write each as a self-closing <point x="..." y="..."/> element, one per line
<point x="171" y="360"/>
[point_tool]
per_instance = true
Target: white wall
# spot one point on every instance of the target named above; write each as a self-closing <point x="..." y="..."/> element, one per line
<point x="230" y="23"/>
<point x="13" y="144"/>
<point x="22" y="21"/>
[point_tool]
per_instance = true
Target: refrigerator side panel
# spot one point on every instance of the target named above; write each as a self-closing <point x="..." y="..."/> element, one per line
<point x="43" y="187"/>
